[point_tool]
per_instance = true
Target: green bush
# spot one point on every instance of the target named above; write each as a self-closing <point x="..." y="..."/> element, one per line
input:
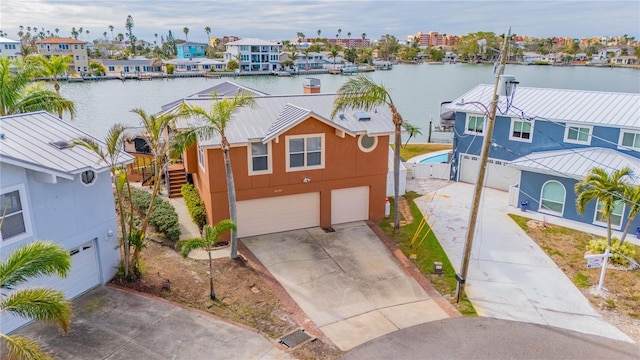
<point x="627" y="249"/>
<point x="194" y="204"/>
<point x="163" y="217"/>
<point x="170" y="68"/>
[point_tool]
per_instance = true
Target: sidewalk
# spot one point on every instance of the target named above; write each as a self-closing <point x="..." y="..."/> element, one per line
<point x="509" y="277"/>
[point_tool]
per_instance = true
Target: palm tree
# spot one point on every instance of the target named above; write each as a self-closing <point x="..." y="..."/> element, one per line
<point x="18" y="96"/>
<point x="38" y="258"/>
<point x="607" y="189"/>
<point x="111" y="29"/>
<point x="104" y="34"/>
<point x="186" y="33"/>
<point x="209" y="239"/>
<point x="319" y="32"/>
<point x="129" y="24"/>
<point x="412" y="130"/>
<point x="333" y="55"/>
<point x="208" y="31"/>
<point x="632" y="199"/>
<point x="110" y="154"/>
<point x="360" y="92"/>
<point x="52" y="68"/>
<point x="217" y="119"/>
<point x="56" y="30"/>
<point x="154" y="134"/>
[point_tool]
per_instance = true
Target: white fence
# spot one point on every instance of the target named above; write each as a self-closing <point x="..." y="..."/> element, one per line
<point x="430" y="170"/>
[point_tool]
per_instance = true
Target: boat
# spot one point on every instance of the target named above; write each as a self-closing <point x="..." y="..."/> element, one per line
<point x="447" y="118"/>
<point x="282" y="73"/>
<point x="75" y="79"/>
<point x="348" y="70"/>
<point x="212" y="75"/>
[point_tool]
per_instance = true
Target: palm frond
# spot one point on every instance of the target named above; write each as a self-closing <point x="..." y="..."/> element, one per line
<point x="32" y="260"/>
<point x="22" y="348"/>
<point x="187" y="246"/>
<point x="360" y="92"/>
<point x="38" y="98"/>
<point x="41" y="304"/>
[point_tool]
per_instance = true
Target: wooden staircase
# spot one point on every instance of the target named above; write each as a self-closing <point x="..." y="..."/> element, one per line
<point x="175" y="178"/>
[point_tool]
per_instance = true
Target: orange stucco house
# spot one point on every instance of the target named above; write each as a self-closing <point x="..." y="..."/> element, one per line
<point x="294" y="166"/>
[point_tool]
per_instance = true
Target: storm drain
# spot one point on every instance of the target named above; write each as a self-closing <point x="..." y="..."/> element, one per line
<point x="296" y="338"/>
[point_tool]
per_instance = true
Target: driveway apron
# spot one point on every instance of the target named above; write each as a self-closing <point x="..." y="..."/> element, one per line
<point x="509" y="276"/>
<point x="347" y="282"/>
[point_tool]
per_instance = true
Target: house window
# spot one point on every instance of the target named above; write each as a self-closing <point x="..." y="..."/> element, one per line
<point x="77" y="57"/>
<point x="629" y="140"/>
<point x="367" y="143"/>
<point x="616" y="214"/>
<point x="88" y="177"/>
<point x="15" y="217"/>
<point x="75" y="47"/>
<point x="259" y="159"/>
<point x="521" y="130"/>
<point x="305" y="152"/>
<point x="475" y="124"/>
<point x="112" y="68"/>
<point x="552" y="198"/>
<point x="577" y="134"/>
<point x="201" y="157"/>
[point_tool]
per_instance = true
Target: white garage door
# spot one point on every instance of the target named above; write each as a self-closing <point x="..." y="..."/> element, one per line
<point x="83" y="275"/>
<point x="498" y="175"/>
<point x="279" y="213"/>
<point x="351" y="204"/>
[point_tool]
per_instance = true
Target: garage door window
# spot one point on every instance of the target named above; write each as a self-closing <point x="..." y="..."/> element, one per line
<point x="552" y="199"/>
<point x="15" y="223"/>
<point x="305" y="152"/>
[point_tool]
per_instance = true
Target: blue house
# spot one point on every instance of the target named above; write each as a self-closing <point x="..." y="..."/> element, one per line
<point x="545" y="141"/>
<point x="190" y="50"/>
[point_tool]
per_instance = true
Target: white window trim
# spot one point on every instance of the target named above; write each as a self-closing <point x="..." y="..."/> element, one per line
<point x="269" y="161"/>
<point x="365" y="150"/>
<point x="95" y="178"/>
<point x="604" y="223"/>
<point x="201" y="158"/>
<point x="484" y="125"/>
<point x="623" y="147"/>
<point x="570" y="141"/>
<point x="564" y="200"/>
<point x="26" y="215"/>
<point x="303" y="168"/>
<point x="513" y="138"/>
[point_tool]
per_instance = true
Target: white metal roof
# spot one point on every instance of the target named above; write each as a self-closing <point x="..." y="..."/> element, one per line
<point x="253" y="42"/>
<point x="575" y="106"/>
<point x="272" y="115"/>
<point x="27" y="139"/>
<point x="576" y="163"/>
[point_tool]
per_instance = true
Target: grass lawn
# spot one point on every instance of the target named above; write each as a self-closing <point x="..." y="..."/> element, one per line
<point x="426" y="252"/>
<point x="566" y="247"/>
<point x="411" y="150"/>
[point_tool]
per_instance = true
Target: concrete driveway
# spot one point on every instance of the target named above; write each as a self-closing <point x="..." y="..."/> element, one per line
<point x="110" y="323"/>
<point x="347" y="282"/>
<point x="509" y="277"/>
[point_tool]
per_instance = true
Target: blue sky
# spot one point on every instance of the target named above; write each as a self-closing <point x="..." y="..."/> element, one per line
<point x="277" y="20"/>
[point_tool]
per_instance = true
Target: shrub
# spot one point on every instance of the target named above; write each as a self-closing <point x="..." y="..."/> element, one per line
<point x="170" y="68"/>
<point x="163" y="217"/>
<point x="627" y="249"/>
<point x="194" y="204"/>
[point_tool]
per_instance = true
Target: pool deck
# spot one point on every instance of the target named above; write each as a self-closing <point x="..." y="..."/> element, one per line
<point x="419" y="158"/>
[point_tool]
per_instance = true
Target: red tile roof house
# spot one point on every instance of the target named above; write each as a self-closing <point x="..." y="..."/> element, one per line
<point x="294" y="166"/>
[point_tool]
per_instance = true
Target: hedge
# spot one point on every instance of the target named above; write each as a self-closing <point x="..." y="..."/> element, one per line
<point x="194" y="204"/>
<point x="163" y="217"/>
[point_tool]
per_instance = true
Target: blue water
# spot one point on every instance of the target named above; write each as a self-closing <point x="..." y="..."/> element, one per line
<point x="441" y="158"/>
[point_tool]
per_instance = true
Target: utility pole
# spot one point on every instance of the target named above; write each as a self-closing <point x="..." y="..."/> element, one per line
<point x="430" y="127"/>
<point x="477" y="192"/>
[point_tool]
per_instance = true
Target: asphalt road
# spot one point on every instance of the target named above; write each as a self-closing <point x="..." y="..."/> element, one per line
<point x="486" y="338"/>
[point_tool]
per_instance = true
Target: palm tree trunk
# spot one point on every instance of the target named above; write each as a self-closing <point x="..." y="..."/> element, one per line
<point x="397" y="142"/>
<point x="154" y="195"/>
<point x="609" y="230"/>
<point x="231" y="193"/>
<point x="626" y="229"/>
<point x="123" y="227"/>
<point x="212" y="292"/>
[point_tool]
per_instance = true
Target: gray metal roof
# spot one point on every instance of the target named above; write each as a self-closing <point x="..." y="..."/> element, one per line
<point x="224" y="89"/>
<point x="272" y="115"/>
<point x="575" y="106"/>
<point x="252" y="41"/>
<point x="27" y="139"/>
<point x="576" y="163"/>
<point x="109" y="62"/>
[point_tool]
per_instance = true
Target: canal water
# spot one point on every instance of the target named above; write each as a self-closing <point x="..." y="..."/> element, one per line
<point x="417" y="90"/>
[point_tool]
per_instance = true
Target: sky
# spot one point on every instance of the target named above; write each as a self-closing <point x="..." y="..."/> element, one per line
<point x="280" y="20"/>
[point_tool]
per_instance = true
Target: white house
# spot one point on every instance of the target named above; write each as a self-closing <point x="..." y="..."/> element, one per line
<point x="10" y="48"/>
<point x="254" y="54"/>
<point x="50" y="190"/>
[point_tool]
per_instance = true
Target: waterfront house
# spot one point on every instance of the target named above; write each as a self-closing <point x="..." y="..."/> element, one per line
<point x="547" y="140"/>
<point x="50" y="190"/>
<point x="190" y="50"/>
<point x="199" y="65"/>
<point x="625" y="60"/>
<point x="74" y="48"/>
<point x="254" y="54"/>
<point x="10" y="48"/>
<point x="294" y="166"/>
<point x="312" y="60"/>
<point x="132" y="68"/>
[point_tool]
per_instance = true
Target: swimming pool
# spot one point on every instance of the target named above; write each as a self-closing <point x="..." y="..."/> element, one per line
<point x="438" y="158"/>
